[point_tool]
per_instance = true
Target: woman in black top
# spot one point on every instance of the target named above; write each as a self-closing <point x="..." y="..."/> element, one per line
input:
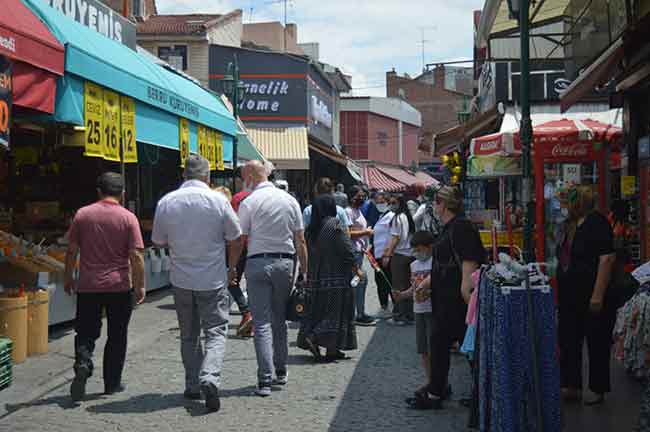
<point x="585" y="308"/>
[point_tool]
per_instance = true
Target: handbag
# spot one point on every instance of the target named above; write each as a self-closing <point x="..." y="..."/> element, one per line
<point x="297" y="305"/>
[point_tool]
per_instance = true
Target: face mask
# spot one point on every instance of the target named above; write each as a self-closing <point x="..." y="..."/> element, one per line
<point x="421" y="256"/>
<point x="382" y="208"/>
<point x="394" y="207"/>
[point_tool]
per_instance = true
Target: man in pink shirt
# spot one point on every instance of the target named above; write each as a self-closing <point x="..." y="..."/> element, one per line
<point x="107" y="238"/>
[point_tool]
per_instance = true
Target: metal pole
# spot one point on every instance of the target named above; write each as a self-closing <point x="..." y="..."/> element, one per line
<point x="235" y="104"/>
<point x="526" y="134"/>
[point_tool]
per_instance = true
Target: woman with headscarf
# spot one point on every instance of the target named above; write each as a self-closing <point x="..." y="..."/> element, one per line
<point x="586" y="309"/>
<point x="330" y="321"/>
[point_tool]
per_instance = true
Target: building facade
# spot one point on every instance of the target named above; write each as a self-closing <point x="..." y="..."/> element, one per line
<point x="383" y="130"/>
<point x="430" y="95"/>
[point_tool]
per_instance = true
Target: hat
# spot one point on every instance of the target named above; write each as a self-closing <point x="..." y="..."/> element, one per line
<point x="196" y="167"/>
<point x="451" y="196"/>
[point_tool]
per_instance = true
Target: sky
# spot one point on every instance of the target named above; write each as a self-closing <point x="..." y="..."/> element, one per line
<point x="364" y="38"/>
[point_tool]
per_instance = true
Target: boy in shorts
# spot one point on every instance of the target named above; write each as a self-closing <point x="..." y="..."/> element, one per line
<point x="422" y="244"/>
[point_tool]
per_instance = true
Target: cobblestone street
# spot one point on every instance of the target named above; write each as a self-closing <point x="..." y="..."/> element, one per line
<point x="362" y="394"/>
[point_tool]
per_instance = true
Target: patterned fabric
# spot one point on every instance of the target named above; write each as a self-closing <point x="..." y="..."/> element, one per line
<point x="330" y="323"/>
<point x="632" y="333"/>
<point x="506" y="390"/>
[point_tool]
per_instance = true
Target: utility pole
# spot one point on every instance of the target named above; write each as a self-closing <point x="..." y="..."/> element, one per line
<point x="423" y="42"/>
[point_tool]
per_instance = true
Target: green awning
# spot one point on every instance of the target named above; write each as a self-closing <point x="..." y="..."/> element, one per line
<point x="246" y="150"/>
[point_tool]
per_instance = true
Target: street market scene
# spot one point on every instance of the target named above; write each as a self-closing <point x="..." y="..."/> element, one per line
<point x="325" y="216"/>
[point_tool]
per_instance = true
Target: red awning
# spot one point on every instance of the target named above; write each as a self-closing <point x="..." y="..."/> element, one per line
<point x="426" y="179"/>
<point x="375" y="179"/>
<point x="23" y="37"/>
<point x="400" y="175"/>
<point x="38" y="57"/>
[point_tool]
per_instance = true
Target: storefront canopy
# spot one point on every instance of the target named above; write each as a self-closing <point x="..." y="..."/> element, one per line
<point x="93" y="57"/>
<point x="375" y="179"/>
<point x="287" y="148"/>
<point x="38" y="57"/>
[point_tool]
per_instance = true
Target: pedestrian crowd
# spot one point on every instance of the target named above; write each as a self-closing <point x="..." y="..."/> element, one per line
<point x="423" y="252"/>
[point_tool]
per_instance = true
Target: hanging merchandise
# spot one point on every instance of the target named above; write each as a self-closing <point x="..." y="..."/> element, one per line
<point x="128" y="133"/>
<point x="507" y="343"/>
<point x="93" y="119"/>
<point x="202" y="138"/>
<point x="112" y="126"/>
<point x="184" y="139"/>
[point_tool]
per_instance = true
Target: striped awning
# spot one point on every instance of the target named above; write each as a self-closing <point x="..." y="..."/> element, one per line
<point x="426" y="179"/>
<point x="375" y="179"/>
<point x="287" y="148"/>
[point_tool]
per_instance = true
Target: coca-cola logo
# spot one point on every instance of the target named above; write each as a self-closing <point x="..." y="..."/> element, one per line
<point x="564" y="150"/>
<point x="489" y="146"/>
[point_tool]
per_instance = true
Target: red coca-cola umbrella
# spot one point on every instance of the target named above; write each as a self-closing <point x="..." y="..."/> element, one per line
<point x="570" y="134"/>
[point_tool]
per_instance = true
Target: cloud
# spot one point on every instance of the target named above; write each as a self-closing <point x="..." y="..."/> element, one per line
<point x="364" y="38"/>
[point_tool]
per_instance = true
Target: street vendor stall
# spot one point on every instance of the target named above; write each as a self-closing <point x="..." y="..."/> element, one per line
<point x="565" y="151"/>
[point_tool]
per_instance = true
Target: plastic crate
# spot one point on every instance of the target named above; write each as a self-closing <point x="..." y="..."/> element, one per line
<point x="5" y="345"/>
<point x="5" y="376"/>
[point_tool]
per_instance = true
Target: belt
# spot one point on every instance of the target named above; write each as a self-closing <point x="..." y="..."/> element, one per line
<point x="272" y="255"/>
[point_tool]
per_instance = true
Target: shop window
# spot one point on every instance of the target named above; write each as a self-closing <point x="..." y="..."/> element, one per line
<point x="175" y="55"/>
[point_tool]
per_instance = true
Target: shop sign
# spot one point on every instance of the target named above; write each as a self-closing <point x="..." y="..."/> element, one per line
<point x="184" y="139"/>
<point x="218" y="140"/>
<point x="202" y="138"/>
<point x="571" y="173"/>
<point x="568" y="151"/>
<point x="5" y="99"/>
<point x="93" y="119"/>
<point x="628" y="186"/>
<point x="163" y="99"/>
<point x="211" y="139"/>
<point x="129" y="147"/>
<point x="112" y="126"/>
<point x="100" y="18"/>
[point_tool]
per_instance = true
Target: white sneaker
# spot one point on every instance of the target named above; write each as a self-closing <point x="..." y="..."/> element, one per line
<point x="263" y="390"/>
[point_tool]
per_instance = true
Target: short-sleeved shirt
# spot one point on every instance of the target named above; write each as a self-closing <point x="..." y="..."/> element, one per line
<point x="459" y="241"/>
<point x="195" y="222"/>
<point x="381" y="236"/>
<point x="270" y="217"/>
<point x="400" y="228"/>
<point x="358" y="224"/>
<point x="420" y="270"/>
<point x="341" y="215"/>
<point x="593" y="239"/>
<point x="106" y="233"/>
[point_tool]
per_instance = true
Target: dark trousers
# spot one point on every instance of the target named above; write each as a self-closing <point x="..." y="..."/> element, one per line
<point x="383" y="285"/>
<point x="118" y="306"/>
<point x="440" y="358"/>
<point x="235" y="289"/>
<point x="576" y="324"/>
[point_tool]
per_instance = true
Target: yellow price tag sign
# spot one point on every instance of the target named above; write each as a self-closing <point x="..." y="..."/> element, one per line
<point x="212" y="146"/>
<point x="129" y="147"/>
<point x="93" y="119"/>
<point x="202" y="136"/>
<point x="219" y="151"/>
<point x="112" y="126"/>
<point x="628" y="186"/>
<point x="184" y="139"/>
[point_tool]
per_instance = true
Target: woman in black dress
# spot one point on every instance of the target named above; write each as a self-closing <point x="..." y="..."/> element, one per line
<point x="330" y="321"/>
<point x="586" y="309"/>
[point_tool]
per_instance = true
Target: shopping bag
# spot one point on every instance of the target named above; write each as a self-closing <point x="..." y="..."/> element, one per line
<point x="297" y="306"/>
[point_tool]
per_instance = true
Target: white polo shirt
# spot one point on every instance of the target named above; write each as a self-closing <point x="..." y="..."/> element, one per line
<point x="270" y="217"/>
<point x="195" y="223"/>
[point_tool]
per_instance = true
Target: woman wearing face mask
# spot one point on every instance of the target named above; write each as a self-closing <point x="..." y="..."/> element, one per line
<point x="398" y="256"/>
<point x="360" y="234"/>
<point x="381" y="239"/>
<point x="586" y="309"/>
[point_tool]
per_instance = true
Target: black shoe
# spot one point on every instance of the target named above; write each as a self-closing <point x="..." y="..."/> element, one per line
<point x="112" y="390"/>
<point x="188" y="394"/>
<point x="366" y="321"/>
<point x="78" y="386"/>
<point x="425" y="402"/>
<point x="212" y="401"/>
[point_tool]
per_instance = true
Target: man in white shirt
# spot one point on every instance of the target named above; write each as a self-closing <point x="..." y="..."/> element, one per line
<point x="273" y="228"/>
<point x="198" y="225"/>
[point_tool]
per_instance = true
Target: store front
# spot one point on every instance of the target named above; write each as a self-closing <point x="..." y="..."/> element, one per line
<point x="112" y="109"/>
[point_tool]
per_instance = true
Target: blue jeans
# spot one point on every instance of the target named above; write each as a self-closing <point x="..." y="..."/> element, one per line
<point x="269" y="283"/>
<point x="360" y="290"/>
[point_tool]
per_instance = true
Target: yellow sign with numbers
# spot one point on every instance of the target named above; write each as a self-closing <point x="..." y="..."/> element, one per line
<point x="211" y="155"/>
<point x="184" y="139"/>
<point x="219" y="151"/>
<point x="129" y="147"/>
<point x="93" y="119"/>
<point x="203" y="138"/>
<point x="112" y="126"/>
